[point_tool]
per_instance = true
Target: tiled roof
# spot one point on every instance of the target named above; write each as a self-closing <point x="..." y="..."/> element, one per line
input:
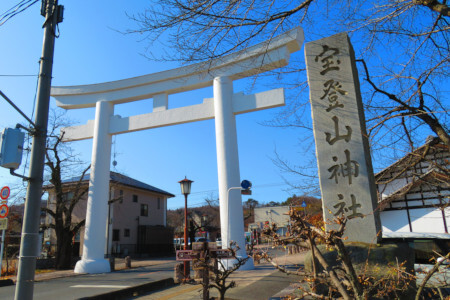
<point x="413" y="158"/>
<point x="124" y="180"/>
<point x="430" y="177"/>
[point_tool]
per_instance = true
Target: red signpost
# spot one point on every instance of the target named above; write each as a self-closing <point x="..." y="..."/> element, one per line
<point x="187" y="255"/>
<point x="203" y="252"/>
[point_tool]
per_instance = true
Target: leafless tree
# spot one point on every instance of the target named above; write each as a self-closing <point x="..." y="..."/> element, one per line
<point x="402" y="46"/>
<point x="341" y="279"/>
<point x="220" y="271"/>
<point x="61" y="163"/>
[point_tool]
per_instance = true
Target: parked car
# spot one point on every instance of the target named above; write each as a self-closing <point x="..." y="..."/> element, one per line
<point x="178" y="243"/>
<point x="428" y="247"/>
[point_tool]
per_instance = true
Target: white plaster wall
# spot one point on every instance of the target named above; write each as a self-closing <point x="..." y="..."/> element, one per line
<point x="422" y="220"/>
<point x="428" y="220"/>
<point x="394" y="221"/>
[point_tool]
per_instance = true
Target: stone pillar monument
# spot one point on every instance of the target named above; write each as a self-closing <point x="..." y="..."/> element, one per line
<point x="345" y="168"/>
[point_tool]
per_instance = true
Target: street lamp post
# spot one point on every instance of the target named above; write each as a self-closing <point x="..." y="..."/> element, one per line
<point x="185" y="190"/>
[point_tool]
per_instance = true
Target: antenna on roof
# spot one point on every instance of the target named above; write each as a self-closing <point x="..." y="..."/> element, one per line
<point x="114" y="162"/>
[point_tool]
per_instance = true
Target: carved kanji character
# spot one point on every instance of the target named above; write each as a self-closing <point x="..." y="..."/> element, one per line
<point x="347" y="137"/>
<point x="341" y="209"/>
<point x="328" y="60"/>
<point x="350" y="168"/>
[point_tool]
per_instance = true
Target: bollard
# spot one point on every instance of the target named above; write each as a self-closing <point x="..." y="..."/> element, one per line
<point x="178" y="273"/>
<point x="127" y="262"/>
<point x="112" y="263"/>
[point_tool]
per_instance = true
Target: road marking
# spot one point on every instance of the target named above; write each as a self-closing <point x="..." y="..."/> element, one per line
<point x="101" y="286"/>
<point x="186" y="290"/>
<point x="150" y="273"/>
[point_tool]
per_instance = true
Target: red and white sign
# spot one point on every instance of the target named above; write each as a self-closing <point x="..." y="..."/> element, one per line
<point x="4" y="211"/>
<point x="4" y="192"/>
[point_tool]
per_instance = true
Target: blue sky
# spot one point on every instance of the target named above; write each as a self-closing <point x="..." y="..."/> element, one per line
<point x="91" y="49"/>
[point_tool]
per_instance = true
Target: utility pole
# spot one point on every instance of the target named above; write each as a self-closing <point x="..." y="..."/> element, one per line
<point x="30" y="229"/>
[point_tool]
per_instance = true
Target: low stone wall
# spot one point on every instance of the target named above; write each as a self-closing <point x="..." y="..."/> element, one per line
<point x="371" y="260"/>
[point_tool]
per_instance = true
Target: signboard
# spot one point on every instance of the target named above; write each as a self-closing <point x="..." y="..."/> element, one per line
<point x="186" y="255"/>
<point x="222" y="253"/>
<point x="4" y="192"/>
<point x="4" y="211"/>
<point x="4" y="224"/>
<point x="246" y="192"/>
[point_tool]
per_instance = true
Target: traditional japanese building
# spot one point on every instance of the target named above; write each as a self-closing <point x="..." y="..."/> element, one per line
<point x="414" y="192"/>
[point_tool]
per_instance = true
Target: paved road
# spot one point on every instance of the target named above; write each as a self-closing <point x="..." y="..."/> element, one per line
<point x="92" y="284"/>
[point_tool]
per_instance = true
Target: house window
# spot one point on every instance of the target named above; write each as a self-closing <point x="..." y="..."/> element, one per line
<point x="144" y="210"/>
<point x="159" y="203"/>
<point x="135" y="198"/>
<point x="67" y="196"/>
<point x="126" y="232"/>
<point x="116" y="235"/>
<point x="121" y="196"/>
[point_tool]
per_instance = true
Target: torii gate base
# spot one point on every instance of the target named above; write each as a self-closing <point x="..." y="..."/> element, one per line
<point x="225" y="105"/>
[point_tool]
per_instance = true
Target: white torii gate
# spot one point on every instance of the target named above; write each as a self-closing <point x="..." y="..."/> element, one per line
<point x="223" y="107"/>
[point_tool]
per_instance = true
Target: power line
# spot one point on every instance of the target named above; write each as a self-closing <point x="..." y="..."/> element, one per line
<point x="17" y="109"/>
<point x="264" y="185"/>
<point x="17" y="75"/>
<point x="15" y="10"/>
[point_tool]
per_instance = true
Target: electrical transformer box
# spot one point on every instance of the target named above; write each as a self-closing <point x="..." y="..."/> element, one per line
<point x="11" y="147"/>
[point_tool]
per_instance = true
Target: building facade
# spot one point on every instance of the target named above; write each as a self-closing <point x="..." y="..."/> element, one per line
<point x="414" y="191"/>
<point x="272" y="214"/>
<point x="137" y="217"/>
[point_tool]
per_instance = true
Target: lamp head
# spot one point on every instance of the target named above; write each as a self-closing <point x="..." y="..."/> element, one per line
<point x="185" y="185"/>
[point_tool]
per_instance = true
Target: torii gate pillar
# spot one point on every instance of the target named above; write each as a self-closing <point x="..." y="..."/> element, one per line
<point x="228" y="167"/>
<point x="93" y="260"/>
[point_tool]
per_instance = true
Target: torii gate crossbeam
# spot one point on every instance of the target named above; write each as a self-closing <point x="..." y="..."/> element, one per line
<point x="223" y="108"/>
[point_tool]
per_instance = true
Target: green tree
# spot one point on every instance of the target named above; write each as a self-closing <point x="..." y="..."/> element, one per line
<point x="313" y="205"/>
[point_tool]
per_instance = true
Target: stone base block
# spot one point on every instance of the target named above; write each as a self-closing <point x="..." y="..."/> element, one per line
<point x="91" y="266"/>
<point x="229" y="263"/>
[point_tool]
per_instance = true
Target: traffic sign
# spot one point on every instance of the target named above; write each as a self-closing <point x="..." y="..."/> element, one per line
<point x="245" y="184"/>
<point x="4" y="211"/>
<point x="304" y="204"/>
<point x="4" y="224"/>
<point x="246" y="192"/>
<point x="4" y="192"/>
